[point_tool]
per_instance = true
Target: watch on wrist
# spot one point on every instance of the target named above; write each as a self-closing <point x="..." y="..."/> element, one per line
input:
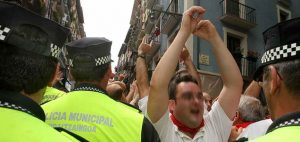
<point x="141" y="55"/>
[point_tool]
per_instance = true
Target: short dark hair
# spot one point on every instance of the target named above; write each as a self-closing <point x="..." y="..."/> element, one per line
<point x="81" y="72"/>
<point x="181" y="76"/>
<point x="24" y="70"/>
<point x="290" y="73"/>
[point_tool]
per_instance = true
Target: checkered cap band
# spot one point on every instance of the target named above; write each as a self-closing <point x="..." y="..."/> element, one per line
<point x="99" y="61"/>
<point x="55" y="50"/>
<point x="281" y="52"/>
<point x="3" y="32"/>
<point x="291" y="122"/>
<point x="102" y="60"/>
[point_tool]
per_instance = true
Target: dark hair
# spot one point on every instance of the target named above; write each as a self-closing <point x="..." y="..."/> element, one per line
<point x="289" y="71"/>
<point x="181" y="76"/>
<point x="23" y="70"/>
<point x="84" y="69"/>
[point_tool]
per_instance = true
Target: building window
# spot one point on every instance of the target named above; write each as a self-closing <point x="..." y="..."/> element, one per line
<point x="235" y="41"/>
<point x="237" y="45"/>
<point x="283" y="14"/>
<point x="234" y="46"/>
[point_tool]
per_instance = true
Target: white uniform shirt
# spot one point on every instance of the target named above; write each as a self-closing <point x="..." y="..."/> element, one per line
<point x="217" y="128"/>
<point x="256" y="129"/>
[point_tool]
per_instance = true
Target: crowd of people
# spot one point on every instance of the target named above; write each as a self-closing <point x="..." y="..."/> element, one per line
<point x="171" y="106"/>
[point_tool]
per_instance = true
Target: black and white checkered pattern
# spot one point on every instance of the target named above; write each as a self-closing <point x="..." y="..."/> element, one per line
<point x="3" y="32"/>
<point x="99" y="61"/>
<point x="102" y="60"/>
<point x="281" y="52"/>
<point x="13" y="106"/>
<point x="290" y="122"/>
<point x="55" y="50"/>
<point x="88" y="89"/>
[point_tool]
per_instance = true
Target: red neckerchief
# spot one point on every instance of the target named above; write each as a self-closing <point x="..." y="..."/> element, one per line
<point x="184" y="128"/>
<point x="243" y="125"/>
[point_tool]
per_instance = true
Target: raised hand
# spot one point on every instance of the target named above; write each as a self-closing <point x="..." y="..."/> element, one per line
<point x="184" y="55"/>
<point x="144" y="48"/>
<point x="205" y="30"/>
<point x="190" y="18"/>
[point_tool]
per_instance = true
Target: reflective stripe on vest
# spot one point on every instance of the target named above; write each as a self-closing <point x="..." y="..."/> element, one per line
<point x="52" y="94"/>
<point x="94" y="116"/>
<point x="17" y="126"/>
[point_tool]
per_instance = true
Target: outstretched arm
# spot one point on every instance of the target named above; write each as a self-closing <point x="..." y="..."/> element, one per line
<point x="253" y="89"/>
<point x="190" y="67"/>
<point x="141" y="69"/>
<point x="130" y="94"/>
<point x="158" y="98"/>
<point x="230" y="73"/>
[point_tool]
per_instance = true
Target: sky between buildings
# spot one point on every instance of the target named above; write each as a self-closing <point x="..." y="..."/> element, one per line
<point x="109" y="19"/>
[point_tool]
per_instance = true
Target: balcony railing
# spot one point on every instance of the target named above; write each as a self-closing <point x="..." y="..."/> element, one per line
<point x="170" y="19"/>
<point x="238" y="14"/>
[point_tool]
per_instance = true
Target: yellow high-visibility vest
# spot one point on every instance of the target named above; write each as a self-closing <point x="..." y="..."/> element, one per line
<point x="283" y="134"/>
<point x="95" y="117"/>
<point x="18" y="126"/>
<point x="52" y="93"/>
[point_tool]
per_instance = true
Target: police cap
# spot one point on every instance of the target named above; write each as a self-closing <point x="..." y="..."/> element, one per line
<point x="98" y="49"/>
<point x="282" y="43"/>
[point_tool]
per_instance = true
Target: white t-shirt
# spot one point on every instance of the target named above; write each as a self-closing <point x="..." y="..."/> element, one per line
<point x="142" y="103"/>
<point x="217" y="128"/>
<point x="256" y="129"/>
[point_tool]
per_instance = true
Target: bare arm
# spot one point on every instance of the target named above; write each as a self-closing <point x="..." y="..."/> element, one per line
<point x="253" y="89"/>
<point x="232" y="80"/>
<point x="141" y="69"/>
<point x="136" y="97"/>
<point x="129" y="96"/>
<point x="158" y="98"/>
<point x="190" y="67"/>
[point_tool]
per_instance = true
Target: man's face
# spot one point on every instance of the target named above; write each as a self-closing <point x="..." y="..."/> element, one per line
<point x="109" y="74"/>
<point x="189" y="101"/>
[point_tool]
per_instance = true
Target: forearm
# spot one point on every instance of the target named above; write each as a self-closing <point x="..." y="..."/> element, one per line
<point x="192" y="70"/>
<point x="142" y="77"/>
<point x="253" y="89"/>
<point x="129" y="96"/>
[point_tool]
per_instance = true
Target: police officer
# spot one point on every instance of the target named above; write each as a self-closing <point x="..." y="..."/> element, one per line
<point x="87" y="110"/>
<point x="27" y="42"/>
<point x="279" y="75"/>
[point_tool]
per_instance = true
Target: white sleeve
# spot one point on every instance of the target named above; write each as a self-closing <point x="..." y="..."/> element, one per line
<point x="164" y="127"/>
<point x="142" y="103"/>
<point x="217" y="123"/>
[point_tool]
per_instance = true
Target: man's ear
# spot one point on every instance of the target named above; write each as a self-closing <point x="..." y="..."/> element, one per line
<point x="236" y="117"/>
<point x="55" y="76"/>
<point x="171" y="105"/>
<point x="274" y="80"/>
